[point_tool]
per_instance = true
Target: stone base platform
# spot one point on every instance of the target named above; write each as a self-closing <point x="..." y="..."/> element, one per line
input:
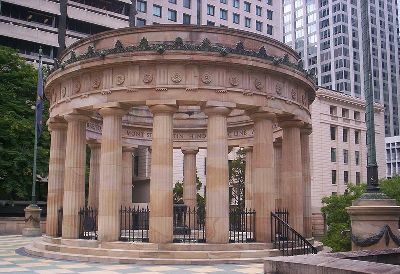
<point x="148" y="253"/>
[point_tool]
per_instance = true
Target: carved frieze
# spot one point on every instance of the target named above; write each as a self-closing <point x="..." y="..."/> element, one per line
<point x="234" y="80"/>
<point x="176" y="77"/>
<point x="279" y="88"/>
<point x="206" y="78"/>
<point x="96" y="82"/>
<point x="258" y="84"/>
<point x="147" y="78"/>
<point x="76" y="85"/>
<point x="119" y="79"/>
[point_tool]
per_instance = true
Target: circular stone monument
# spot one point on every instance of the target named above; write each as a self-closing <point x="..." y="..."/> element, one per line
<point x="175" y="87"/>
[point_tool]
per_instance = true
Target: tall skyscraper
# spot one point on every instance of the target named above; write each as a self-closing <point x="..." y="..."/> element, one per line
<point x="26" y="25"/>
<point x="327" y="35"/>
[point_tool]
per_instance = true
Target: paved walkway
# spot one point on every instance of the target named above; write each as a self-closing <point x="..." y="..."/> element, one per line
<point x="12" y="262"/>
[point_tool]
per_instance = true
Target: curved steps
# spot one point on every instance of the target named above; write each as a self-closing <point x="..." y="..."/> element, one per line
<point x="138" y="253"/>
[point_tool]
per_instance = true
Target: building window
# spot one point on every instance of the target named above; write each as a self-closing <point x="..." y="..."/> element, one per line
<point x="172" y="1"/>
<point x="345" y="113"/>
<point x="247" y="22"/>
<point x="358" y="178"/>
<point x="333" y="110"/>
<point x="357" y="115"/>
<point x="345" y="156"/>
<point x="258" y="11"/>
<point x="333" y="177"/>
<point x="186" y="19"/>
<point x="333" y="133"/>
<point x="172" y="15"/>
<point x="210" y="23"/>
<point x="259" y="25"/>
<point x="141" y="6"/>
<point x="210" y="10"/>
<point x="187" y="4"/>
<point x="157" y="11"/>
<point x="247" y="6"/>
<point x="345" y="134"/>
<point x="345" y="177"/>
<point x="333" y="154"/>
<point x="269" y="29"/>
<point x="140" y="22"/>
<point x="235" y="3"/>
<point x="269" y="14"/>
<point x="334" y="193"/>
<point x="357" y="137"/>
<point x="223" y="1"/>
<point x="223" y="14"/>
<point x="357" y="157"/>
<point x="236" y="18"/>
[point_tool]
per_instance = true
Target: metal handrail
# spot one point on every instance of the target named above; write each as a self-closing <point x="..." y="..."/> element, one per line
<point x="287" y="239"/>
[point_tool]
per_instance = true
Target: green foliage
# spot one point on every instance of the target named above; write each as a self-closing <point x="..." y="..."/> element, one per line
<point x="237" y="170"/>
<point x="17" y="96"/>
<point x="337" y="217"/>
<point x="178" y="193"/>
<point x="391" y="187"/>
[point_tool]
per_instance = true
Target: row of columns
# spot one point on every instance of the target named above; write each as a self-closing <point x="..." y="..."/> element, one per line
<point x="67" y="173"/>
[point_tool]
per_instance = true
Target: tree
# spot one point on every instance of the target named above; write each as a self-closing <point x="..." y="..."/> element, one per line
<point x="391" y="187"/>
<point x="237" y="170"/>
<point x="337" y="218"/>
<point x="17" y="97"/>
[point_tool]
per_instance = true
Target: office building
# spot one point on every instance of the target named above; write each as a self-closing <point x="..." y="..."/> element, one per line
<point x="327" y="34"/>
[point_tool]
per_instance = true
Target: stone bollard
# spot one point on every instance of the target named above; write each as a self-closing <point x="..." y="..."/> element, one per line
<point x="32" y="221"/>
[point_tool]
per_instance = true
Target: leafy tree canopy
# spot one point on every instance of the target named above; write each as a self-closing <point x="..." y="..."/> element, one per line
<point x="17" y="97"/>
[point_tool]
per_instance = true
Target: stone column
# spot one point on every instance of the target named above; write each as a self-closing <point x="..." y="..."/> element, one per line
<point x="57" y="128"/>
<point x="292" y="174"/>
<point x="94" y="174"/>
<point x="263" y="181"/>
<point x="248" y="188"/>
<point x="217" y="202"/>
<point x="110" y="174"/>
<point x="74" y="180"/>
<point x="189" y="177"/>
<point x="278" y="170"/>
<point x="161" y="177"/>
<point x="127" y="175"/>
<point x="305" y="159"/>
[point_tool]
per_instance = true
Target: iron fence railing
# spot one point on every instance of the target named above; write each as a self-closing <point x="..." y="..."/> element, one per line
<point x="88" y="223"/>
<point x="288" y="240"/>
<point x="134" y="224"/>
<point x="189" y="225"/>
<point x="242" y="224"/>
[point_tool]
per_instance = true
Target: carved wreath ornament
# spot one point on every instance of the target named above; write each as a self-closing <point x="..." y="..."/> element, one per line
<point x="384" y="232"/>
<point x="120" y="79"/>
<point x="206" y="78"/>
<point x="147" y="78"/>
<point x="96" y="83"/>
<point x="176" y="78"/>
<point x="234" y="80"/>
<point x="258" y="84"/>
<point x="278" y="88"/>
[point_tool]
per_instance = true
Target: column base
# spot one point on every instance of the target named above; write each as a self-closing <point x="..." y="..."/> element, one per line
<point x="32" y="222"/>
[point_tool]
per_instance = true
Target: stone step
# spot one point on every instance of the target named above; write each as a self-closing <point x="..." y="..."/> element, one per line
<point x="162" y="254"/>
<point x="33" y="251"/>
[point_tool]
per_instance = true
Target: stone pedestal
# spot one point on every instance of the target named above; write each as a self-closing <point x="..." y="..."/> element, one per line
<point x="292" y="187"/>
<point x="189" y="177"/>
<point x="94" y="175"/>
<point x="374" y="223"/>
<point x="217" y="201"/>
<point x="248" y="195"/>
<point x="74" y="182"/>
<point x="263" y="177"/>
<point x="161" y="182"/>
<point x="57" y="128"/>
<point x="32" y="221"/>
<point x="110" y="174"/>
<point x="127" y="175"/>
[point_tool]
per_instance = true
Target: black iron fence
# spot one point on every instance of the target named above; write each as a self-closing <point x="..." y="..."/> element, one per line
<point x="88" y="223"/>
<point x="242" y="224"/>
<point x="188" y="224"/>
<point x="286" y="239"/>
<point x="134" y="224"/>
<point x="59" y="221"/>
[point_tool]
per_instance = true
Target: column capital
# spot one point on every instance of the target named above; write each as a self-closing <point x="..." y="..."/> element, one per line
<point x="76" y="117"/>
<point x="211" y="108"/>
<point x="306" y="129"/>
<point x="291" y="123"/>
<point x="189" y="150"/>
<point x="163" y="108"/>
<point x="128" y="149"/>
<point x="247" y="149"/>
<point x="278" y="142"/>
<point x="93" y="143"/>
<point x="54" y="123"/>
<point x="111" y="111"/>
<point x="261" y="113"/>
